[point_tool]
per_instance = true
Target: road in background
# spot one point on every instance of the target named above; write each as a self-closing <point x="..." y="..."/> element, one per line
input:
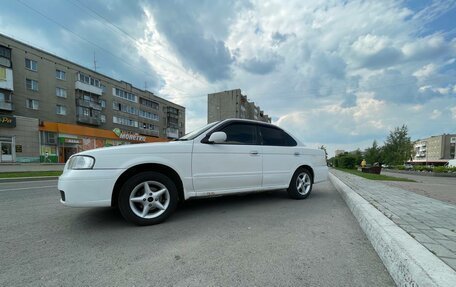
<point x="252" y="240"/>
<point x="441" y="188"/>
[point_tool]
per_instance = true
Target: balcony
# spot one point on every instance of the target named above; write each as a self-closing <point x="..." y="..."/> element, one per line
<point x="6" y="80"/>
<point x="172" y="133"/>
<point x="88" y="88"/>
<point x="6" y="106"/>
<point x="88" y="104"/>
<point x="153" y="133"/>
<point x="88" y="120"/>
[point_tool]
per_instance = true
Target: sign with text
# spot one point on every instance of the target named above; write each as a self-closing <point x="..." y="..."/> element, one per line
<point x="129" y="136"/>
<point x="70" y="141"/>
<point x="7" y="121"/>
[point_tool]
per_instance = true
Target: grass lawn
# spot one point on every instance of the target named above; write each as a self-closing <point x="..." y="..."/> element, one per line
<point x="374" y="176"/>
<point x="29" y="174"/>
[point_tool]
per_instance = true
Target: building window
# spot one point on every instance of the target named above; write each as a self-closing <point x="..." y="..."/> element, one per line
<point x="124" y="95"/>
<point x="124" y="121"/>
<point x="4" y="97"/>
<point x="86" y="112"/>
<point x="103" y="118"/>
<point x="59" y="74"/>
<point x="124" y="108"/>
<point x="32" y="104"/>
<point x="149" y="115"/>
<point x="31" y="85"/>
<point x="5" y="56"/>
<point x="88" y="80"/>
<point x="61" y="110"/>
<point x="61" y="92"/>
<point x="102" y="103"/>
<point x="147" y="126"/>
<point x="31" y="65"/>
<point x="149" y="103"/>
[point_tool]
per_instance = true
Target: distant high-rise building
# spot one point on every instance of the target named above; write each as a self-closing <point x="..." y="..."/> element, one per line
<point x="233" y="104"/>
<point x="51" y="108"/>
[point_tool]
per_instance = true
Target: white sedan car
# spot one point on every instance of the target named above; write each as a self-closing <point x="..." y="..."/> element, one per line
<point x="146" y="181"/>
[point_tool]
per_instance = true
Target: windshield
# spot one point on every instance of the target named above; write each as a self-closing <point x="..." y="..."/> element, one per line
<point x="193" y="134"/>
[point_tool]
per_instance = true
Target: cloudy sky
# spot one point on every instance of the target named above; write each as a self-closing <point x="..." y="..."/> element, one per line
<point x="338" y="73"/>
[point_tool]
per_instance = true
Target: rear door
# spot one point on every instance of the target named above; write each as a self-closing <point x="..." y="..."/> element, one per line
<point x="232" y="166"/>
<point x="281" y="156"/>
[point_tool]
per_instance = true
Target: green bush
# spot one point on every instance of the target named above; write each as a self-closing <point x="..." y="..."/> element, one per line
<point x="400" y="167"/>
<point x="440" y="169"/>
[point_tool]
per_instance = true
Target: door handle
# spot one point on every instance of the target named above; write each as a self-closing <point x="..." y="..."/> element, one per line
<point x="296" y="153"/>
<point x="254" y="152"/>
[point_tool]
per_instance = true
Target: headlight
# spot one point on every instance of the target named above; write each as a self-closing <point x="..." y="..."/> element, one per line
<point x="81" y="162"/>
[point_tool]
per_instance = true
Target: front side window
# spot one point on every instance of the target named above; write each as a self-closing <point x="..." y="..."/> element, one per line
<point x="31" y="64"/>
<point x="242" y="134"/>
<point x="275" y="137"/>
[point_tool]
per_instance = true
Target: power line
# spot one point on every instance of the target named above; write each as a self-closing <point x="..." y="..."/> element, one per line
<point x="88" y="41"/>
<point x="136" y="40"/>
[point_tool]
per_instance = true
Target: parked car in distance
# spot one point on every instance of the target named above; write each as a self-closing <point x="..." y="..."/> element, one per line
<point x="451" y="163"/>
<point x="408" y="166"/>
<point x="146" y="181"/>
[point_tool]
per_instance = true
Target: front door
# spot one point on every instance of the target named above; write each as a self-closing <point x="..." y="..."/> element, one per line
<point x="229" y="167"/>
<point x="6" y="152"/>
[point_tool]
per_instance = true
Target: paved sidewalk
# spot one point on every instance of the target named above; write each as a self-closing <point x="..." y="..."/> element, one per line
<point x="19" y="167"/>
<point x="431" y="222"/>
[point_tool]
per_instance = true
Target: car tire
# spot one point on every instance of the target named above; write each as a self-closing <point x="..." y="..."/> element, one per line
<point x="148" y="198"/>
<point x="301" y="184"/>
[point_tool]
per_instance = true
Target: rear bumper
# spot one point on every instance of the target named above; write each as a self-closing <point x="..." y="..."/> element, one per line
<point x="88" y="188"/>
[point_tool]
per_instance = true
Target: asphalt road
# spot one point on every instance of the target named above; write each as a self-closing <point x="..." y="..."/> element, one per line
<point x="253" y="240"/>
<point x="441" y="188"/>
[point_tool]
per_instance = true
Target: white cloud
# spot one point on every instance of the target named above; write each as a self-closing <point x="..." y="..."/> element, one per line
<point x="435" y="114"/>
<point x="453" y="112"/>
<point x="331" y="72"/>
<point x="425" y="71"/>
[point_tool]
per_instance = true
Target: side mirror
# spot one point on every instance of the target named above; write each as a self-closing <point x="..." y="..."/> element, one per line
<point x="217" y="137"/>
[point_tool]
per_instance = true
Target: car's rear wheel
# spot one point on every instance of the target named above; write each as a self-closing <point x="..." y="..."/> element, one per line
<point x="301" y="184"/>
<point x="148" y="198"/>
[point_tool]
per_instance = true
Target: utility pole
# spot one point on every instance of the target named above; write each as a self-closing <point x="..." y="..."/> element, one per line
<point x="94" y="62"/>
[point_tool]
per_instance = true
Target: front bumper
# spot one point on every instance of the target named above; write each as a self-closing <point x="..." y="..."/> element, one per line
<point x="88" y="188"/>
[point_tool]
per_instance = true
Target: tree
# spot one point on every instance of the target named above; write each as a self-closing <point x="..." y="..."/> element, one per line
<point x="373" y="154"/>
<point x="326" y="152"/>
<point x="358" y="155"/>
<point x="398" y="146"/>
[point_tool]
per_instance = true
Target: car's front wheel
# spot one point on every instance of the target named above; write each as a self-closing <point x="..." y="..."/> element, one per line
<point x="301" y="184"/>
<point x="148" y="198"/>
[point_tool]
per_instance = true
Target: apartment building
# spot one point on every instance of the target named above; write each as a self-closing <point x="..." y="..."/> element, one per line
<point x="435" y="149"/>
<point x="51" y="108"/>
<point x="233" y="104"/>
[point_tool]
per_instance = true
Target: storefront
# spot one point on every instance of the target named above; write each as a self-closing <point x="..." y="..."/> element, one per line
<point x="59" y="141"/>
<point x="18" y="139"/>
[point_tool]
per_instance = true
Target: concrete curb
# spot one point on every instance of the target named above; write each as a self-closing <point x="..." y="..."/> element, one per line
<point x="35" y="178"/>
<point x="408" y="262"/>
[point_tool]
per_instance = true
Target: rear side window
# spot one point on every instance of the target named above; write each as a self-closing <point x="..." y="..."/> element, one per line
<point x="244" y="134"/>
<point x="275" y="137"/>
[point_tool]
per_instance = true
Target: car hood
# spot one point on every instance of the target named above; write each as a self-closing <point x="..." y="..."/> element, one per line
<point x="144" y="148"/>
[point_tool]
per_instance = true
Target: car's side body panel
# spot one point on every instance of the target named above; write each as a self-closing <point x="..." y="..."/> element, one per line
<point x="279" y="164"/>
<point x="219" y="167"/>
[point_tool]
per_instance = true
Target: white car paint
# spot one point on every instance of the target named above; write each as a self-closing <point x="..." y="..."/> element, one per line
<point x="204" y="169"/>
